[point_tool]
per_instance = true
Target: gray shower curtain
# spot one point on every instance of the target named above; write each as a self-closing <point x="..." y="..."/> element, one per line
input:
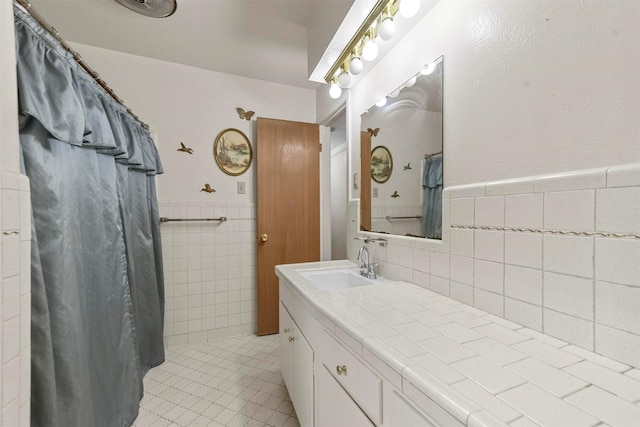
<point x="96" y="261"/>
<point x="432" y="203"/>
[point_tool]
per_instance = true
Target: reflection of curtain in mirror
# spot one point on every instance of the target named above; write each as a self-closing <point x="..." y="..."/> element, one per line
<point x="432" y="205"/>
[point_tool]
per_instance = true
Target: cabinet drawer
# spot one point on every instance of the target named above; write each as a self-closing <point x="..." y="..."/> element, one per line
<point x="364" y="386"/>
<point x="335" y="408"/>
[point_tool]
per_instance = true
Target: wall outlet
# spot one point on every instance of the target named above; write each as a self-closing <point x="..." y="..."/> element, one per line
<point x="374" y="192"/>
<point x="241" y="187"/>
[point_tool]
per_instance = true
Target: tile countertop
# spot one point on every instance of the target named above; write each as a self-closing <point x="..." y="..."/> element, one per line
<point x="482" y="369"/>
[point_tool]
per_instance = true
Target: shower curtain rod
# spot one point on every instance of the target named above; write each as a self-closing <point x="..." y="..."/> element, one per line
<point x="428" y="156"/>
<point x="28" y="8"/>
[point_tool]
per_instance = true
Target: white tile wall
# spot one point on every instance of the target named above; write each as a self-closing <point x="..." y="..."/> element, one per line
<point x="581" y="286"/>
<point x="524" y="210"/>
<point x="210" y="271"/>
<point x="15" y="300"/>
<point x="489" y="211"/>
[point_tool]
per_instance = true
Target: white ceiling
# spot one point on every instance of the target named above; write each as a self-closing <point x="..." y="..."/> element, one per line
<point x="274" y="40"/>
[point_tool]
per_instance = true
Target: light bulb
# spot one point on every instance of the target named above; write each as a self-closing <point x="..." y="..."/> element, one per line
<point x="344" y="79"/>
<point x="411" y="81"/>
<point x="428" y="69"/>
<point x="370" y="50"/>
<point x="334" y="90"/>
<point x="382" y="102"/>
<point x="387" y="29"/>
<point x="394" y="93"/>
<point x="356" y="65"/>
<point x="409" y="8"/>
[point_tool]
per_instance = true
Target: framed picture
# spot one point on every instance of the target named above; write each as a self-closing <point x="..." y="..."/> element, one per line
<point x="381" y="164"/>
<point x="232" y="151"/>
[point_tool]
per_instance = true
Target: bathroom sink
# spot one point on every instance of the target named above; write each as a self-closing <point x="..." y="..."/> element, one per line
<point x="339" y="278"/>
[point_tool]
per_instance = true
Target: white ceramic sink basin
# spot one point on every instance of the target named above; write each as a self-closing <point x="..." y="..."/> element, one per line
<point x="339" y="278"/>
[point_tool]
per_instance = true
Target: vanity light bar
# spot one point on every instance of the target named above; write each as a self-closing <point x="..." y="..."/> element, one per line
<point x="381" y="10"/>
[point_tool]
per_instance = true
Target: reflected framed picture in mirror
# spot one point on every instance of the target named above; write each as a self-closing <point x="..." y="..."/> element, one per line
<point x="381" y="164"/>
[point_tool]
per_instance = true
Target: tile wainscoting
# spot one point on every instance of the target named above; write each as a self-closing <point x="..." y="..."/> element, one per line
<point x="15" y="301"/>
<point x="210" y="271"/>
<point x="556" y="253"/>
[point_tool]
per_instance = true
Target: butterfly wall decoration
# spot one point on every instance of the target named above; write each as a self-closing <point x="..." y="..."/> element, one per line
<point x="373" y="132"/>
<point x="246" y="115"/>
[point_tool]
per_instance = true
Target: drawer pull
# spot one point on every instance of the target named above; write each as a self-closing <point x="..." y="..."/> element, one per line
<point x="286" y="330"/>
<point x="341" y="369"/>
<point x="291" y="339"/>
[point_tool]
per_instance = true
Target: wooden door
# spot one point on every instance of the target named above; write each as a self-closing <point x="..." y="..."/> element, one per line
<point x="365" y="181"/>
<point x="288" y="210"/>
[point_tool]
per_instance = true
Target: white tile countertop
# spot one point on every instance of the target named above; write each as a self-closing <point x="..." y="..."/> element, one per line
<point x="480" y="368"/>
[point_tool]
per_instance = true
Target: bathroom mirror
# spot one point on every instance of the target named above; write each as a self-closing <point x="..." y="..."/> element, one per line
<point x="408" y="122"/>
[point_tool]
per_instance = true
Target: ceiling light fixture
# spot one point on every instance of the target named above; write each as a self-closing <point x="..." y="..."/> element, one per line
<point x="378" y="26"/>
<point x="151" y="8"/>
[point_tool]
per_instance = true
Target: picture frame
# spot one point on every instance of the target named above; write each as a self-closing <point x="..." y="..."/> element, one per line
<point x="233" y="152"/>
<point x="381" y="164"/>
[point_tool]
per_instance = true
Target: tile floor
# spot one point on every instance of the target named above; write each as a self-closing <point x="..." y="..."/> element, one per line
<point x="228" y="382"/>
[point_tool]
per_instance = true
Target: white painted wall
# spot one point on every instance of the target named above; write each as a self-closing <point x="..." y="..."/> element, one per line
<point x="193" y="105"/>
<point x="530" y="87"/>
<point x="339" y="184"/>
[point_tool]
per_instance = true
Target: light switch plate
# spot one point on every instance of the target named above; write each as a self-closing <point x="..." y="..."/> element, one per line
<point x="241" y="187"/>
<point x="374" y="192"/>
<point x="356" y="181"/>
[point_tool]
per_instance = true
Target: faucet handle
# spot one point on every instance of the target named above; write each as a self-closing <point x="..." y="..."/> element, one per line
<point x="371" y="274"/>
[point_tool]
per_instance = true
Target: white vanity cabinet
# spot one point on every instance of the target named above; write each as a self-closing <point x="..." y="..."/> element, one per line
<point x="296" y="363"/>
<point x="329" y="384"/>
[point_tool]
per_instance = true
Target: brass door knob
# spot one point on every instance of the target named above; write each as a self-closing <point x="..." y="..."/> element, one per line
<point x="264" y="237"/>
<point x="341" y="369"/>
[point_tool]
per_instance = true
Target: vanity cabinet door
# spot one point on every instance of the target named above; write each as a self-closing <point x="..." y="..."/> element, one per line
<point x="302" y="378"/>
<point x="286" y="331"/>
<point x="334" y="407"/>
<point x="296" y="364"/>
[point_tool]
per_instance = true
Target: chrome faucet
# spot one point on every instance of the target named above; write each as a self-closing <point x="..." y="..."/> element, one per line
<point x="367" y="269"/>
